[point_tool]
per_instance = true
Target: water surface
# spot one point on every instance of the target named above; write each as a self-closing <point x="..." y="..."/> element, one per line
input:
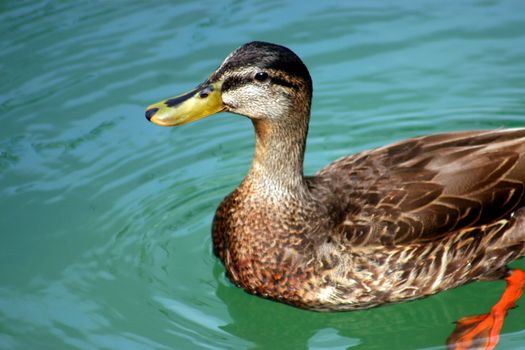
<point x="105" y="218"/>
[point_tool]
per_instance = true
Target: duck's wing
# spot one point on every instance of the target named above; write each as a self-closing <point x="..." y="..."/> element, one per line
<point x="429" y="187"/>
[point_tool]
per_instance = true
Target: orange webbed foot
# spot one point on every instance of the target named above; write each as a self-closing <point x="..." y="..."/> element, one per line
<point x="482" y="331"/>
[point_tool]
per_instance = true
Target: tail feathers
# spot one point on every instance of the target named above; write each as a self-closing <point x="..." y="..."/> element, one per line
<point x="506" y="239"/>
<point x="517" y="234"/>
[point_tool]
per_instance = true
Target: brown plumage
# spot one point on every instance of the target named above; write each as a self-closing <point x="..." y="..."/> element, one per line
<point x="395" y="223"/>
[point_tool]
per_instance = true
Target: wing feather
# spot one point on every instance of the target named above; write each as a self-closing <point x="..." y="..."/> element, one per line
<point x="430" y="187"/>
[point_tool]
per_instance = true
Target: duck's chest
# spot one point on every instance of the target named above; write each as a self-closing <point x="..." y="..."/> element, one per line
<point x="266" y="249"/>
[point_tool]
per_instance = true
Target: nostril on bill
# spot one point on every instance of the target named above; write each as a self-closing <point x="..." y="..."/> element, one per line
<point x="206" y="91"/>
<point x="151" y="112"/>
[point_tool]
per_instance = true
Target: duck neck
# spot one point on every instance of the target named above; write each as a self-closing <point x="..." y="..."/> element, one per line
<point x="277" y="167"/>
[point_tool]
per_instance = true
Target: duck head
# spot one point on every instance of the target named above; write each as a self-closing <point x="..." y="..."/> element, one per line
<point x="260" y="80"/>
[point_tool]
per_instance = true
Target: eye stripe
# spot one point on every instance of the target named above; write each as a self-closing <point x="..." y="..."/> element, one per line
<point x="234" y="82"/>
<point x="283" y="82"/>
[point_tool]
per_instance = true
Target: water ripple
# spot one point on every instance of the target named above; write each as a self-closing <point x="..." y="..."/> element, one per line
<point x="106" y="241"/>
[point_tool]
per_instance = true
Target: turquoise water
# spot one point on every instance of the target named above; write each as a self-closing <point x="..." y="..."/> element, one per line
<point x="105" y="218"/>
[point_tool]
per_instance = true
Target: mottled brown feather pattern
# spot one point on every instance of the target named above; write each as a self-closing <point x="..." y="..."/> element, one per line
<point x="391" y="224"/>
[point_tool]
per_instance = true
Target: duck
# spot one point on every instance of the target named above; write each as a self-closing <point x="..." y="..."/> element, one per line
<point x="392" y="224"/>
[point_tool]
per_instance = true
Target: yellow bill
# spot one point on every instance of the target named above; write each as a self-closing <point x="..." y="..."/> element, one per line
<point x="201" y="102"/>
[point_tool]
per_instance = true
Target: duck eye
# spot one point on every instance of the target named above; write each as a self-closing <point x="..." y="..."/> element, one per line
<point x="261" y="76"/>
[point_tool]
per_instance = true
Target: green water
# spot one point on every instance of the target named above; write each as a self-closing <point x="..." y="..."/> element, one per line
<point x="105" y="218"/>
